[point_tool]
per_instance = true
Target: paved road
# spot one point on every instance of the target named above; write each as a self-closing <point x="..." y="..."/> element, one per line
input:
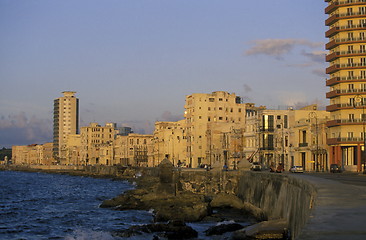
<point x="346" y="178"/>
<point x="340" y="209"/>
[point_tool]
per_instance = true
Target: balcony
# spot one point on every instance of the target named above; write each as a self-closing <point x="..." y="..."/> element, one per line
<point x="339" y="106"/>
<point x="335" y="55"/>
<point x="303" y="144"/>
<point x="335" y="17"/>
<point x="335" y="141"/>
<point x="342" y="92"/>
<point x="333" y="6"/>
<point x="334" y="30"/>
<point x="337" y="67"/>
<point x="337" y="80"/>
<point x="334" y="43"/>
<point x="339" y="122"/>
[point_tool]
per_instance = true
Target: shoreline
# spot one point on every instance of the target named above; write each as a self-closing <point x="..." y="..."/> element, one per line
<point x="179" y="198"/>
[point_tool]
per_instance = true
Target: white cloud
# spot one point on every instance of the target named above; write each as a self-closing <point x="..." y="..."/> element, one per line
<point x="279" y="47"/>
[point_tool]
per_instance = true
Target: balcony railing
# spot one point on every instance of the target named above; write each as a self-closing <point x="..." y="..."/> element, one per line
<point x="344" y="92"/>
<point x="339" y="122"/>
<point x="335" y="30"/>
<point x="335" y="107"/>
<point x="354" y="140"/>
<point x="335" y="55"/>
<point x="336" y="80"/>
<point x="336" y="17"/>
<point x="338" y="41"/>
<point x="337" y="67"/>
<point x="303" y="144"/>
<point x="336" y="4"/>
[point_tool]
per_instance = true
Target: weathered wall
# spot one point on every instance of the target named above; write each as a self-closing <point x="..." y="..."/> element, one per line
<point x="279" y="195"/>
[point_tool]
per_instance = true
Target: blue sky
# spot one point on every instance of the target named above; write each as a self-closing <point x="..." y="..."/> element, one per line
<point x="133" y="61"/>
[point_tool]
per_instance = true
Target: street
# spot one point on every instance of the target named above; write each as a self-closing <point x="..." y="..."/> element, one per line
<point x="357" y="179"/>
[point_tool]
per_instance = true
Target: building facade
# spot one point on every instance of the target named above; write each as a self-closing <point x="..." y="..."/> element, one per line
<point x="65" y="122"/>
<point x="346" y="82"/>
<point x="205" y="114"/>
<point x="170" y="141"/>
<point x="95" y="138"/>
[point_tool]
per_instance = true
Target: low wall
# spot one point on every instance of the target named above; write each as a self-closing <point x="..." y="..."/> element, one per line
<point x="279" y="195"/>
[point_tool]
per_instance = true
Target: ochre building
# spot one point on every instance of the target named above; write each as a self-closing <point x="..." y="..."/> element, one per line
<point x="346" y="82"/>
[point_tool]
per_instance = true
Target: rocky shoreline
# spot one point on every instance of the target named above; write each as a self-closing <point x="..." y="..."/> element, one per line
<point x="174" y="206"/>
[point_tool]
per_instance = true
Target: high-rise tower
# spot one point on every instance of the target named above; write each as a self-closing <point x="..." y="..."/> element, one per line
<point x="65" y="122"/>
<point x="347" y="81"/>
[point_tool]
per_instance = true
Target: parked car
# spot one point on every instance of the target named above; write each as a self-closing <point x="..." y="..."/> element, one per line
<point x="334" y="168"/>
<point x="297" y="169"/>
<point x="256" y="166"/>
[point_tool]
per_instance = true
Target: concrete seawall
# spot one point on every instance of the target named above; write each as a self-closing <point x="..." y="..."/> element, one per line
<point x="280" y="196"/>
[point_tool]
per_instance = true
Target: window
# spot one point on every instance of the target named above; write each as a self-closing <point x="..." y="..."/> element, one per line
<point x="350" y="61"/>
<point x="363" y="61"/>
<point x="350" y="135"/>
<point x="350" y="49"/>
<point x="362" y="35"/>
<point x="349" y="23"/>
<point x="220" y="99"/>
<point x="349" y="11"/>
<point x="363" y="74"/>
<point x="279" y="117"/>
<point x="211" y="99"/>
<point x="350" y="75"/>
<point x="351" y="117"/>
<point x="350" y="35"/>
<point x="362" y="10"/>
<point x="362" y="22"/>
<point x="362" y="48"/>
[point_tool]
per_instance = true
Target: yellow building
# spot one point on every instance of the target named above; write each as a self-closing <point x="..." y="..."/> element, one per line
<point x="204" y="113"/>
<point x="74" y="150"/>
<point x="133" y="150"/>
<point x="347" y="81"/>
<point x="170" y="141"/>
<point x="65" y="122"/>
<point x="289" y="137"/>
<point x="33" y="154"/>
<point x="93" y="137"/>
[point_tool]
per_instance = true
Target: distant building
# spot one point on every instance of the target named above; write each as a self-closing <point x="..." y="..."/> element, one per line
<point x="65" y="122"/>
<point x="93" y="138"/>
<point x="133" y="150"/>
<point x="170" y="140"/>
<point x="346" y="82"/>
<point x="206" y="115"/>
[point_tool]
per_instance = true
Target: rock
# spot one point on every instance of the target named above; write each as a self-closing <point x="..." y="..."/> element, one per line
<point x="273" y="229"/>
<point x="223" y="228"/>
<point x="170" y="230"/>
<point x="186" y="206"/>
<point x="255" y="211"/>
<point x="223" y="200"/>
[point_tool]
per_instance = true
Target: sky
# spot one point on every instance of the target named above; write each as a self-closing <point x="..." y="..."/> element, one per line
<point x="133" y="62"/>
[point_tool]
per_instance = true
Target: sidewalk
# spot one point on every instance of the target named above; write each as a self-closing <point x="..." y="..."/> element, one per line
<point x="339" y="211"/>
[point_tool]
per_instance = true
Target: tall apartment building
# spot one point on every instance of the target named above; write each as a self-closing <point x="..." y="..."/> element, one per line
<point x="211" y="117"/>
<point x="65" y="122"/>
<point x="347" y="81"/>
